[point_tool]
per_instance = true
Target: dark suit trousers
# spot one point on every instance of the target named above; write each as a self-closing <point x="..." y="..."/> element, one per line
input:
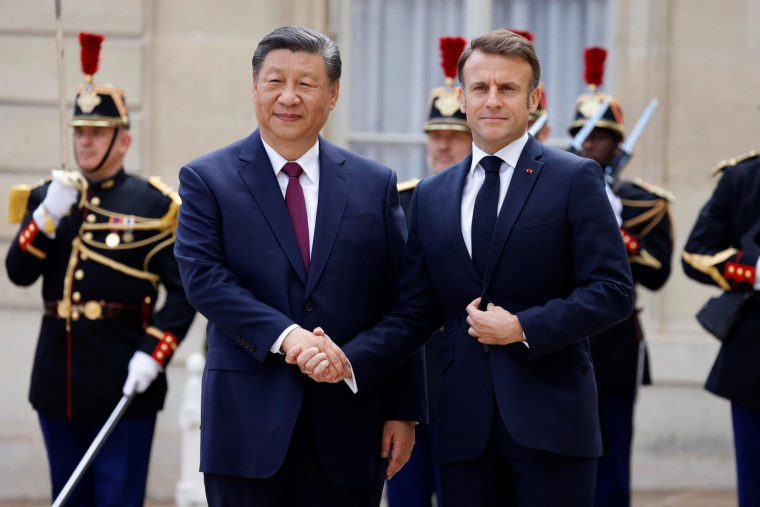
<point x="747" y="445"/>
<point x="300" y="481"/>
<point x="508" y="474"/>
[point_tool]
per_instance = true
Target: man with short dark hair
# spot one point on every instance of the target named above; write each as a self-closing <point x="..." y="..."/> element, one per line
<point x="279" y="233"/>
<point x="517" y="251"/>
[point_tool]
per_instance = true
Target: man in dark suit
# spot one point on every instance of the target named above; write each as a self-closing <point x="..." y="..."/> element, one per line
<point x="279" y="233"/>
<point x="517" y="250"/>
<point x="619" y="353"/>
<point x="724" y="250"/>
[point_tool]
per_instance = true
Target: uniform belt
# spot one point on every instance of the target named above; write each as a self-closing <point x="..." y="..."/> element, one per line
<point x="92" y="310"/>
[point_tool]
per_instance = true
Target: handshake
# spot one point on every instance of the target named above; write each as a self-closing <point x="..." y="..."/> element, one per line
<point x="316" y="355"/>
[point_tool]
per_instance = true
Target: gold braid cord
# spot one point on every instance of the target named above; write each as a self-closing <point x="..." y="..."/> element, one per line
<point x="706" y="264"/>
<point x="117" y="266"/>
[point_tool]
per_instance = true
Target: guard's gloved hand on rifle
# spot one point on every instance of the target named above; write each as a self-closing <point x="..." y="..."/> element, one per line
<point x="143" y="370"/>
<point x="56" y="205"/>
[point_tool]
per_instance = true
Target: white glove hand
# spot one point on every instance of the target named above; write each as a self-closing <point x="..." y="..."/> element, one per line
<point x="59" y="199"/>
<point x="143" y="370"/>
<point x="617" y="205"/>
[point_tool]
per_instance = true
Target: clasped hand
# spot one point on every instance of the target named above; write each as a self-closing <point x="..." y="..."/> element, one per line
<point x="316" y="355"/>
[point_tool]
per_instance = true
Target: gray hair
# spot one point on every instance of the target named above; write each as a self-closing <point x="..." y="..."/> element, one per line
<point x="299" y="39"/>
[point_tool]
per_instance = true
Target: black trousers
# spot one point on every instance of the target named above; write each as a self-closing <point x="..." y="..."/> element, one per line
<point x="508" y="474"/>
<point x="300" y="481"/>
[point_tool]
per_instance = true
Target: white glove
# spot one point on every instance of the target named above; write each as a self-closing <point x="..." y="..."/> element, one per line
<point x="58" y="201"/>
<point x="143" y="370"/>
<point x="617" y="205"/>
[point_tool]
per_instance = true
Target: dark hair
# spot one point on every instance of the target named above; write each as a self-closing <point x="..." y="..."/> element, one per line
<point x="299" y="39"/>
<point x="505" y="43"/>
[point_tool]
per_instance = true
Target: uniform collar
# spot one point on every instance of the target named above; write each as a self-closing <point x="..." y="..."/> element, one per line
<point x="114" y="181"/>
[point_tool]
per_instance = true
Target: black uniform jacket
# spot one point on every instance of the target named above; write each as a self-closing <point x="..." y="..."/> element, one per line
<point x="101" y="275"/>
<point x="720" y="252"/>
<point x="648" y="235"/>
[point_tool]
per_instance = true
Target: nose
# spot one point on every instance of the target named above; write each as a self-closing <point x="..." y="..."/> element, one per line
<point x="289" y="97"/>
<point x="588" y="144"/>
<point x="493" y="100"/>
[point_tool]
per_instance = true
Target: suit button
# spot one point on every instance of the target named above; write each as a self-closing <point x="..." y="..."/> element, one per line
<point x="253" y="348"/>
<point x="238" y="339"/>
<point x="308" y="306"/>
<point x="485" y="347"/>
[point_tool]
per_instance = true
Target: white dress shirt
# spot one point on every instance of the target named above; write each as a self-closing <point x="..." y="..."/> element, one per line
<point x="309" y="180"/>
<point x="510" y="154"/>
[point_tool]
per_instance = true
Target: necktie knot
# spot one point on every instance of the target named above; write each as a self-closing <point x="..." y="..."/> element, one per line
<point x="292" y="169"/>
<point x="491" y="164"/>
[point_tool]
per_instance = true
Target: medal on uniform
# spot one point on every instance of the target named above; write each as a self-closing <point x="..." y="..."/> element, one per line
<point x="113" y="240"/>
<point x="128" y="236"/>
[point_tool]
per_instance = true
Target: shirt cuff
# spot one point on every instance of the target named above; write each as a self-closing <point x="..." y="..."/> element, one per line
<point x="351" y="382"/>
<point x="526" y="340"/>
<point x="276" y="348"/>
<point x="757" y="275"/>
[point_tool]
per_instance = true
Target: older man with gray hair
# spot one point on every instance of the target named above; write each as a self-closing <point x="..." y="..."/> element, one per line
<point x="279" y="233"/>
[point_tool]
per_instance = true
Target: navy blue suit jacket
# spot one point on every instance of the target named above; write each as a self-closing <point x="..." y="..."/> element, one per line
<point x="242" y="269"/>
<point x="557" y="261"/>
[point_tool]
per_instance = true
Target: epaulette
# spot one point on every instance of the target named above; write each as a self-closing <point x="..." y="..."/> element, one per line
<point x="733" y="161"/>
<point x="658" y="191"/>
<point x="170" y="217"/>
<point x="408" y="185"/>
<point x="18" y="200"/>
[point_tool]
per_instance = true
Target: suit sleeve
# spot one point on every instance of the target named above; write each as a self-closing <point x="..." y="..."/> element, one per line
<point x="376" y="353"/>
<point x="27" y="255"/>
<point x="406" y="390"/>
<point x="650" y="251"/>
<point x="211" y="288"/>
<point x="711" y="255"/>
<point x="604" y="289"/>
<point x="169" y="325"/>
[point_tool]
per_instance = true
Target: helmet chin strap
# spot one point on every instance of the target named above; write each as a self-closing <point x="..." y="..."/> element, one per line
<point x="105" y="157"/>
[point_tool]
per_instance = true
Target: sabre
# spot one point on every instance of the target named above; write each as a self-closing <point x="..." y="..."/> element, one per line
<point x="70" y="178"/>
<point x="612" y="171"/>
<point x="538" y="124"/>
<point x="577" y="141"/>
<point x="89" y="456"/>
<point x="64" y="141"/>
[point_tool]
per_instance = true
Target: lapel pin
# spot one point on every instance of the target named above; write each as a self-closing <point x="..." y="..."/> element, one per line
<point x="529" y="170"/>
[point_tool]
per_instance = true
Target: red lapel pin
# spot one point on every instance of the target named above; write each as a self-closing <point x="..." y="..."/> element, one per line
<point x="529" y="170"/>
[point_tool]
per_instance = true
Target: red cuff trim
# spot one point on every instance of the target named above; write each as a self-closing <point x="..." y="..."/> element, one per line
<point x="27" y="235"/>
<point x="166" y="347"/>
<point x="632" y="244"/>
<point x="739" y="273"/>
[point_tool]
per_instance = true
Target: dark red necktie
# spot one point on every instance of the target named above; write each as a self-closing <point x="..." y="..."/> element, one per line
<point x="296" y="204"/>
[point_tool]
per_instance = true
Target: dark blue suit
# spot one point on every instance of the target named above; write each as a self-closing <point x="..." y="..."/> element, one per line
<point x="558" y="262"/>
<point x="242" y="269"/>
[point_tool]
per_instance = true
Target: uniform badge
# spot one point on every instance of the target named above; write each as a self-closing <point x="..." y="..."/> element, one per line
<point x="88" y="100"/>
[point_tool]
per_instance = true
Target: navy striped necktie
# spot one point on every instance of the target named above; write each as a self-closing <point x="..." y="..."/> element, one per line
<point x="485" y="212"/>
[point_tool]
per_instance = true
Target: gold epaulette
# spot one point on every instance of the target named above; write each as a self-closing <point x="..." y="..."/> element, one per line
<point x="408" y="185"/>
<point x="733" y="161"/>
<point x="658" y="191"/>
<point x="170" y="217"/>
<point x="19" y="199"/>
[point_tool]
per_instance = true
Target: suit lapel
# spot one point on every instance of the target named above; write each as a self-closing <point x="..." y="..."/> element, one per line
<point x="334" y="184"/>
<point x="258" y="175"/>
<point x="453" y="211"/>
<point x="519" y="189"/>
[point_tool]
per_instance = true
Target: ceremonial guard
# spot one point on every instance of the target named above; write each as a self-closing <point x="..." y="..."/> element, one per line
<point x="723" y="249"/>
<point x="619" y="353"/>
<point x="102" y="241"/>
<point x="449" y="141"/>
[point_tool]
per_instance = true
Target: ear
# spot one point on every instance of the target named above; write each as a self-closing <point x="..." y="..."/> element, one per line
<point x="255" y="86"/>
<point x="462" y="101"/>
<point x="334" y="92"/>
<point x="535" y="96"/>
<point x="125" y="141"/>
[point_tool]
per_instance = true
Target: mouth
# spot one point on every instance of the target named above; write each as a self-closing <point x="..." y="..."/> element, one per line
<point x="288" y="117"/>
<point x="493" y="118"/>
